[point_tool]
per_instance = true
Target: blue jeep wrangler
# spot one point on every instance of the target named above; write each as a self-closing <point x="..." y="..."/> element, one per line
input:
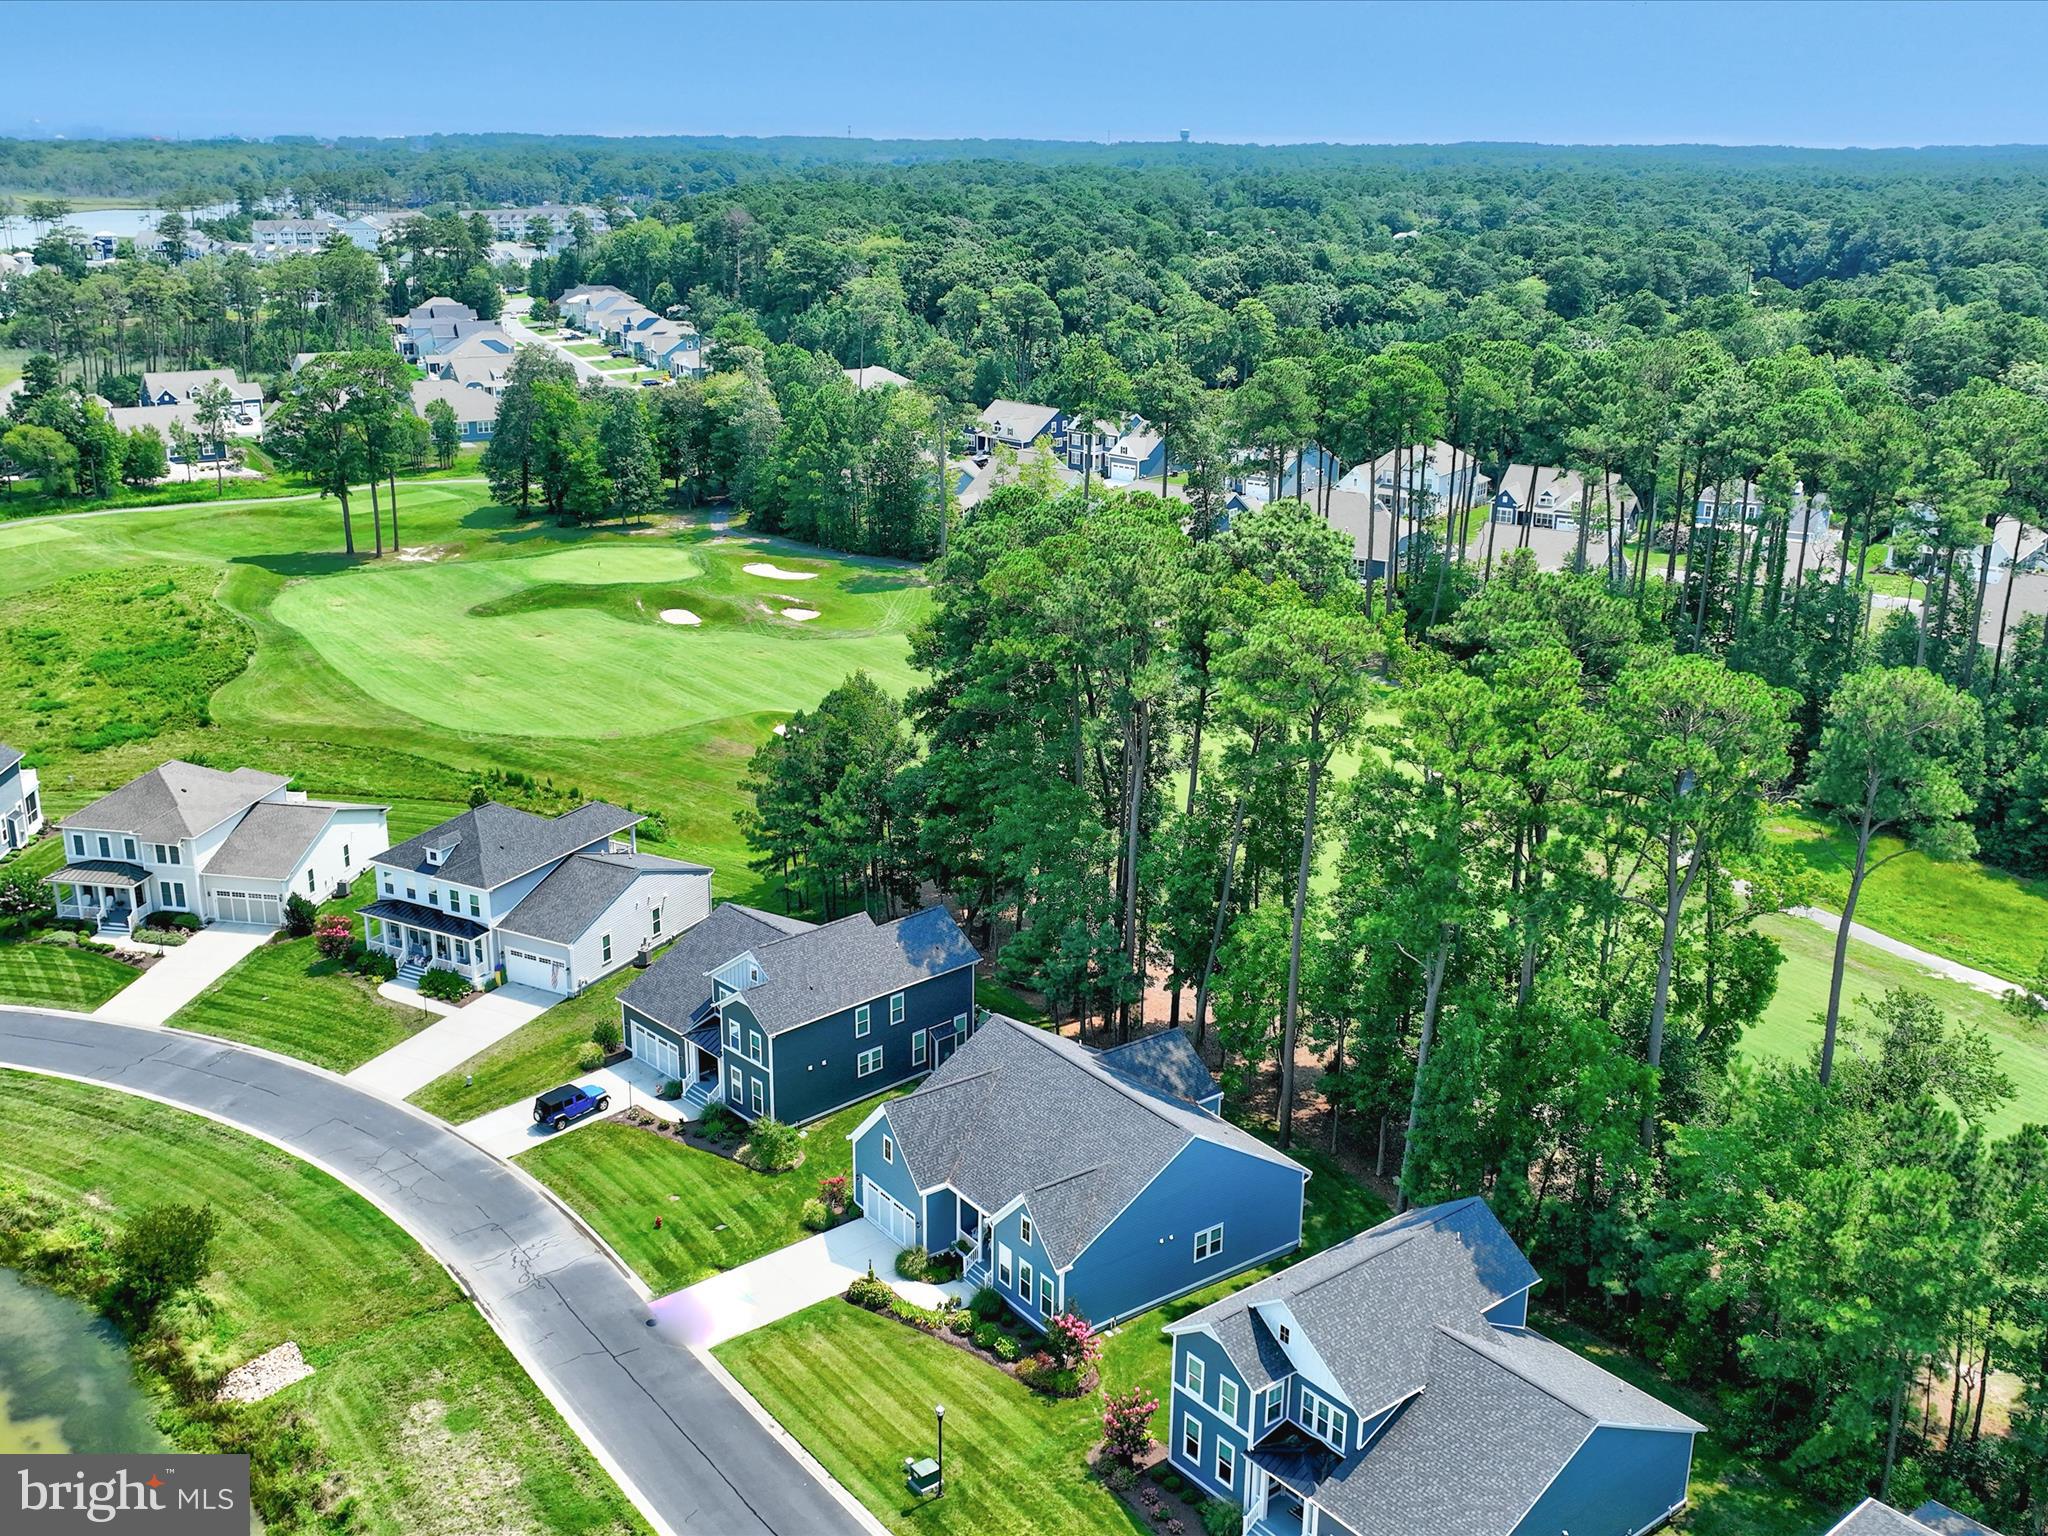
<point x="559" y="1106"/>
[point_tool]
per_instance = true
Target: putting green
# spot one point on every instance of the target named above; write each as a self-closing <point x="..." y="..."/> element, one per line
<point x="411" y="638"/>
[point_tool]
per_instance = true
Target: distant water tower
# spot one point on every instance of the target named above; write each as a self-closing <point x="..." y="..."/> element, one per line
<point x="1183" y="135"/>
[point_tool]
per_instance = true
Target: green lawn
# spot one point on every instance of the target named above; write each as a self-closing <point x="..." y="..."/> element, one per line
<point x="1966" y="911"/>
<point x="1790" y="1027"/>
<point x="432" y="1427"/>
<point x="51" y="976"/>
<point x="588" y="349"/>
<point x="715" y="1214"/>
<point x="616" y="364"/>
<point x="538" y="1055"/>
<point x="285" y="997"/>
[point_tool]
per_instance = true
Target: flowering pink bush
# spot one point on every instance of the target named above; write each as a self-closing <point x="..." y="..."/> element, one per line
<point x="333" y="936"/>
<point x="1072" y="1344"/>
<point x="1127" y="1424"/>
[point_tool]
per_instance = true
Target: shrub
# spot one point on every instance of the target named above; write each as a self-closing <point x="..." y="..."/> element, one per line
<point x="1007" y="1349"/>
<point x="773" y="1147"/>
<point x="1220" y="1517"/>
<point x="589" y="1057"/>
<point x="671" y="1087"/>
<point x="60" y="938"/>
<point x="987" y="1303"/>
<point x="1127" y="1425"/>
<point x="606" y="1033"/>
<point x="163" y="1250"/>
<point x="716" y="1123"/>
<point x="833" y="1191"/>
<point x="379" y="966"/>
<point x="184" y="922"/>
<point x="913" y="1263"/>
<point x="1122" y="1476"/>
<point x="445" y="986"/>
<point x="943" y="1265"/>
<point x="1041" y="1374"/>
<point x="299" y="914"/>
<point x="1073" y="1345"/>
<point x="168" y="938"/>
<point x="333" y="936"/>
<point x="926" y="1319"/>
<point x="867" y="1291"/>
<point x="815" y="1215"/>
<point x="961" y="1321"/>
<point x="986" y="1334"/>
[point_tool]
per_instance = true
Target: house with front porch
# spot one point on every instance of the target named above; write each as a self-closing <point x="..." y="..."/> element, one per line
<point x="225" y="847"/>
<point x="21" y="801"/>
<point x="1102" y="1182"/>
<point x="773" y="1016"/>
<point x="551" y="902"/>
<point x="1392" y="1384"/>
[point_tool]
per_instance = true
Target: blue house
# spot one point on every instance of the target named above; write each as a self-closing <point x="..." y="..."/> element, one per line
<point x="1101" y="1182"/>
<point x="778" y="1017"/>
<point x="1391" y="1385"/>
<point x="1870" y="1518"/>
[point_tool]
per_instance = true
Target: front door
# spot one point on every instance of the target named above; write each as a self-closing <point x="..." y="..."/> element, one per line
<point x="943" y="1049"/>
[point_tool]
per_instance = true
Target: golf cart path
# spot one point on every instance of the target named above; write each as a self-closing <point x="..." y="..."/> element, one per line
<point x="1954" y="970"/>
<point x="695" y="1455"/>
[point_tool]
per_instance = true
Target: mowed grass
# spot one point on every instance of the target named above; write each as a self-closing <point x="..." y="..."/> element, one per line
<point x="433" y="1428"/>
<point x="715" y="1214"/>
<point x="1791" y="1026"/>
<point x="540" y="1054"/>
<point x="286" y="997"/>
<point x="52" y="976"/>
<point x="1964" y="911"/>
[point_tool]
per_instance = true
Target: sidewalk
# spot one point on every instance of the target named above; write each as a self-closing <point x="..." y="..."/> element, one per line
<point x="442" y="1047"/>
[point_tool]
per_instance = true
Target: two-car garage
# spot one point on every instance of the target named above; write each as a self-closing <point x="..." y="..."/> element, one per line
<point x="895" y="1220"/>
<point x="533" y="969"/>
<point x="264" y="908"/>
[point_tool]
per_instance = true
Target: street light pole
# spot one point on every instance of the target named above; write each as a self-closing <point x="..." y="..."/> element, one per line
<point x="940" y="1411"/>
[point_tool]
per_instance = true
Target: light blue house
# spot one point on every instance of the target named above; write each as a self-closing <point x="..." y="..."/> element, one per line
<point x="1391" y="1386"/>
<point x="1101" y="1182"/>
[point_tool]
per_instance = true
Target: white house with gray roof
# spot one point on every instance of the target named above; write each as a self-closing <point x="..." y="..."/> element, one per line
<point x="1069" y="1179"/>
<point x="21" y="801"/>
<point x="1872" y="1518"/>
<point x="1391" y="1385"/>
<point x="553" y="902"/>
<point x="226" y="847"/>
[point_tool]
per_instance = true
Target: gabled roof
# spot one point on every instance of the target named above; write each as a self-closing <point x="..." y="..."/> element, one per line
<point x="822" y="970"/>
<point x="1019" y="1112"/>
<point x="1943" y="1521"/>
<point x="673" y="989"/>
<point x="1164" y="1062"/>
<point x="1019" y="419"/>
<point x="181" y="382"/>
<point x="1870" y="1518"/>
<point x="271" y="841"/>
<point x="494" y="843"/>
<point x="9" y="756"/>
<point x="874" y="376"/>
<point x="176" y="801"/>
<point x="470" y="403"/>
<point x="578" y="892"/>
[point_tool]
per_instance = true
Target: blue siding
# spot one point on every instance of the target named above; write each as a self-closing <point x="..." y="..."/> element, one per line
<point x="1216" y="1369"/>
<point x="655" y="1027"/>
<point x="941" y="1219"/>
<point x="1147" y="1254"/>
<point x="1512" y="1313"/>
<point x="741" y="1069"/>
<point x="1620" y="1482"/>
<point x="816" y="1065"/>
<point x="1009" y="1231"/>
<point x="893" y="1177"/>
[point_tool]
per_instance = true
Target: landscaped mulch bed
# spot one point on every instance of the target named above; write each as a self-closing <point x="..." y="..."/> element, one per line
<point x="1089" y="1381"/>
<point x="1170" y="1513"/>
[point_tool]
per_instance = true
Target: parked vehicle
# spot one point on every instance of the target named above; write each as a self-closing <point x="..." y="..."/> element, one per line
<point x="559" y="1107"/>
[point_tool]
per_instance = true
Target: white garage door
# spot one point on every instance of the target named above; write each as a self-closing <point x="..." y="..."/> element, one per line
<point x="247" y="907"/>
<point x="885" y="1213"/>
<point x="534" y="970"/>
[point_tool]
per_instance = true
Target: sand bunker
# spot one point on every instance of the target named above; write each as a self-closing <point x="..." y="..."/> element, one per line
<point x="800" y="614"/>
<point x="427" y="553"/>
<point x="679" y="616"/>
<point x="782" y="730"/>
<point x="777" y="573"/>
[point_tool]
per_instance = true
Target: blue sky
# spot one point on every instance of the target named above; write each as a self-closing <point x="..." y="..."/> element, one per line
<point x="1849" y="72"/>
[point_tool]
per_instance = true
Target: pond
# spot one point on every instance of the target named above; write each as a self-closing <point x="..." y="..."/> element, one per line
<point x="65" y="1379"/>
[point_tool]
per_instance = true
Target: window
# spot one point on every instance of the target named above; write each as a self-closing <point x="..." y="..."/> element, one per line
<point x="604" y="944"/>
<point x="1190" y="1439"/>
<point x="888" y="1150"/>
<point x="732" y="1084"/>
<point x="1226" y="1463"/>
<point x="176" y="857"/>
<point x="1193" y="1375"/>
<point x="128" y="848"/>
<point x="1208" y="1243"/>
<point x="860" y="1022"/>
<point x="346" y="861"/>
<point x="868" y="1063"/>
<point x="433" y="896"/>
<point x="1024" y="1280"/>
<point x="1003" y="1262"/>
<point x="754" y="1044"/>
<point x="389" y="888"/>
<point x="106" y="849"/>
<point x="962" y="1026"/>
<point x="158" y="850"/>
<point x="757" y="1095"/>
<point x="655" y="913"/>
<point x="462" y="952"/>
<point x="311" y="886"/>
<point x="474" y="909"/>
<point x="917" y="1048"/>
<point x="1283" y="1333"/>
<point x="896" y="1009"/>
<point x="78" y="845"/>
<point x="1024" y="1229"/>
<point x="1323" y="1418"/>
<point x="164" y="890"/>
<point x="1276" y="1404"/>
<point x="410" y="893"/>
<point x="1226" y="1398"/>
<point x="1045" y="1290"/>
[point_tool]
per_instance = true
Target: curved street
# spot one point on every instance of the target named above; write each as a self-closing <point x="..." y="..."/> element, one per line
<point x="686" y="1449"/>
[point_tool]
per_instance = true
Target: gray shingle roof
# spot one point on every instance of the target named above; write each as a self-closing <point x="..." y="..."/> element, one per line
<point x="1871" y="1518"/>
<point x="1943" y="1521"/>
<point x="176" y="801"/>
<point x="494" y="843"/>
<point x="677" y="985"/>
<point x="270" y="842"/>
<point x="1167" y="1061"/>
<point x="1018" y="1111"/>
<point x="564" y="905"/>
<point x="9" y="756"/>
<point x="821" y="970"/>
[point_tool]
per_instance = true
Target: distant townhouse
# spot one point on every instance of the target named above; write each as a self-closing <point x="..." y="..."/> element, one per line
<point x="874" y="376"/>
<point x="368" y="229"/>
<point x="273" y="239"/>
<point x="1391" y="1385"/>
<point x="512" y="224"/>
<point x="1102" y="1182"/>
<point x="626" y="323"/>
<point x="227" y="847"/>
<point x="21" y="801"/>
<point x="576" y="304"/>
<point x="1017" y="424"/>
<point x="551" y="902"/>
<point x="166" y="399"/>
<point x="475" y="407"/>
<point x="777" y="1017"/>
<point x="1558" y="498"/>
<point x="1871" y="1518"/>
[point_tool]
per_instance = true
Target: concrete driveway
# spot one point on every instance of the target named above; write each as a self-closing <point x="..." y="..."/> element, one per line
<point x="509" y="1131"/>
<point x="788" y="1280"/>
<point x="183" y="972"/>
<point x="442" y="1047"/>
<point x="692" y="1452"/>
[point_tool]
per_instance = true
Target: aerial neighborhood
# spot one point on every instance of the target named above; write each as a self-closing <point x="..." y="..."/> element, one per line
<point x="817" y="835"/>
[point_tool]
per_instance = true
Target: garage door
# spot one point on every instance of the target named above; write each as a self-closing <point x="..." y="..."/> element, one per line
<point x="259" y="907"/>
<point x="885" y="1213"/>
<point x="533" y="970"/>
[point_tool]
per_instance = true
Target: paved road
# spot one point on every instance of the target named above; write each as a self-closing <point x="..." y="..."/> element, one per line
<point x="691" y="1454"/>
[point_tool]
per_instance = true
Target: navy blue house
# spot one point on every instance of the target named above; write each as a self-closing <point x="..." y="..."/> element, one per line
<point x="1391" y="1385"/>
<point x="772" y="1016"/>
<point x="1099" y="1182"/>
